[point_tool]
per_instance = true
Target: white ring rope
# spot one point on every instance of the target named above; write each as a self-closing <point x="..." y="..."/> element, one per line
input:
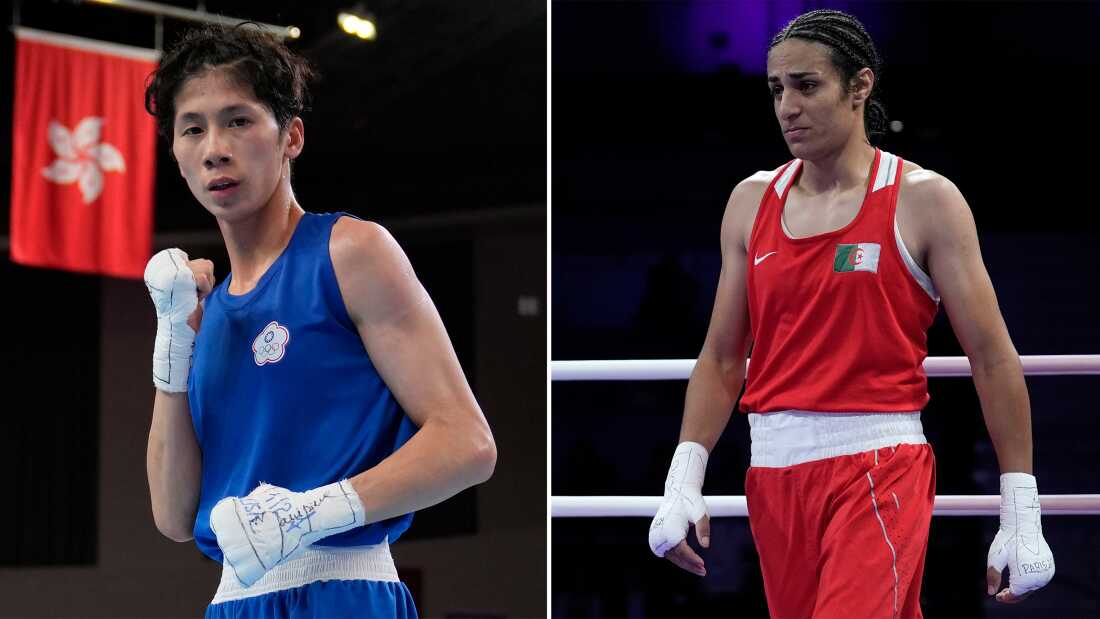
<point x="720" y="506"/>
<point x="680" y="369"/>
<point x="723" y="506"/>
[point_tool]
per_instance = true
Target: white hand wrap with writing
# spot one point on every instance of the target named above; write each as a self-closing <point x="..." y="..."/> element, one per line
<point x="272" y="525"/>
<point x="171" y="284"/>
<point x="1019" y="543"/>
<point x="683" y="500"/>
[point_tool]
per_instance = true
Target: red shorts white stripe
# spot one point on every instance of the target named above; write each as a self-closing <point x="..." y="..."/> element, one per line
<point x="844" y="536"/>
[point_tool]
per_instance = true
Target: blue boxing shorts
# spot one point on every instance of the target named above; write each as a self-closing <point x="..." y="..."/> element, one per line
<point x="327" y="582"/>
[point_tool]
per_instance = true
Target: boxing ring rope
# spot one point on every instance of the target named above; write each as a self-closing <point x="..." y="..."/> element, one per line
<point x="680" y="369"/>
<point x="725" y="506"/>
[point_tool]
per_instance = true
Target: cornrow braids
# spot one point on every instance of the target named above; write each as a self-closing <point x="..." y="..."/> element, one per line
<point x="850" y="49"/>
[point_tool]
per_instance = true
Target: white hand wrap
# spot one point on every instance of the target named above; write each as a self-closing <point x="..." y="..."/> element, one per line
<point x="683" y="501"/>
<point x="273" y="525"/>
<point x="1019" y="543"/>
<point x="171" y="284"/>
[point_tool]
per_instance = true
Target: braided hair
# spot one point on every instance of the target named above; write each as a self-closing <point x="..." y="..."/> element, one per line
<point x="850" y="49"/>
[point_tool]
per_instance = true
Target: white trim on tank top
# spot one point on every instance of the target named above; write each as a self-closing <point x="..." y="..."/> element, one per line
<point x="922" y="278"/>
<point x="885" y="177"/>
<point x="887" y="168"/>
<point x="914" y="269"/>
<point x="785" y="179"/>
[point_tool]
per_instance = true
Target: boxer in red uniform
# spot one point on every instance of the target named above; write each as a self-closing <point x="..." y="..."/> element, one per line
<point x="833" y="268"/>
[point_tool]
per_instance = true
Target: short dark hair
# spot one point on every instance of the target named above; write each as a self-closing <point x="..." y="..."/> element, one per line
<point x="850" y="50"/>
<point x="279" y="78"/>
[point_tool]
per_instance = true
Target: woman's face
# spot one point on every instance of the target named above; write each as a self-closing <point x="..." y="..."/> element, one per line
<point x="228" y="145"/>
<point x="816" y="111"/>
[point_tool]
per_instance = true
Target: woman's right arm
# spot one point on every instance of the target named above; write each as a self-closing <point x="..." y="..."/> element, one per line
<point x="173" y="460"/>
<point x="713" y="389"/>
<point x="720" y="370"/>
<point x="174" y="464"/>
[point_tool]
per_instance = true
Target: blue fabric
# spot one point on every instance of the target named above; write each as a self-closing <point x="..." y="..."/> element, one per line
<point x="328" y="599"/>
<point x="298" y="415"/>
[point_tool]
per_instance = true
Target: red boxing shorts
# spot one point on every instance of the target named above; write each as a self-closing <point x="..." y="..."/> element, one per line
<point x="844" y="536"/>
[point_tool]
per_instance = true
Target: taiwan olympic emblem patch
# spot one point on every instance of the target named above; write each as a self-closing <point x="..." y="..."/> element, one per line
<point x="270" y="345"/>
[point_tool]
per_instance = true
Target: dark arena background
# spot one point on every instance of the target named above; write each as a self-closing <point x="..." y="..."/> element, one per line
<point x="435" y="129"/>
<point x="659" y="109"/>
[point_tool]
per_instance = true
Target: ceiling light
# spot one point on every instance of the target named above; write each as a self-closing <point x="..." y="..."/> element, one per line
<point x="360" y="26"/>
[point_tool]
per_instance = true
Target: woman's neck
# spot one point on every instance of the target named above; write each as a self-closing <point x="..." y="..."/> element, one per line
<point x="841" y="170"/>
<point x="254" y="243"/>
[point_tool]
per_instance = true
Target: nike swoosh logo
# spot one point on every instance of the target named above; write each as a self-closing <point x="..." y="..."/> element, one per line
<point x="757" y="260"/>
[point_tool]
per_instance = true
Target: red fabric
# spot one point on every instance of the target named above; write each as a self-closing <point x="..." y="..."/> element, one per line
<point x="83" y="161"/>
<point x="822" y="544"/>
<point x="829" y="341"/>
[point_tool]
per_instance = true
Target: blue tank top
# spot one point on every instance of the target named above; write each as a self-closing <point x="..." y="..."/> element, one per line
<point x="283" y="391"/>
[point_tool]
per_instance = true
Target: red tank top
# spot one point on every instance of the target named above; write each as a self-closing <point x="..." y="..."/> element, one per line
<point x="839" y="321"/>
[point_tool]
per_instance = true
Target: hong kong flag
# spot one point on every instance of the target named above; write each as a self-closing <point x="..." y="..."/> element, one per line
<point x="83" y="155"/>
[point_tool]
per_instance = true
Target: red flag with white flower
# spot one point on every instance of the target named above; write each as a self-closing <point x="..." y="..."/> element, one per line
<point x="83" y="155"/>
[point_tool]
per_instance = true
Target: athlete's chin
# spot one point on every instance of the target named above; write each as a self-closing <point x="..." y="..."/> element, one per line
<point x="231" y="211"/>
<point x="800" y="149"/>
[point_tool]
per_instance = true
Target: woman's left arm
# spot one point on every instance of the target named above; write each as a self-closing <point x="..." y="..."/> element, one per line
<point x="409" y="346"/>
<point x="956" y="267"/>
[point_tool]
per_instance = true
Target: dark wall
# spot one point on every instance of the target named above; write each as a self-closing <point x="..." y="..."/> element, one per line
<point x="49" y="434"/>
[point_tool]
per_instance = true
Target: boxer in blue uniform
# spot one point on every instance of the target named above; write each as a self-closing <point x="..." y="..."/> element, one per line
<point x="308" y="404"/>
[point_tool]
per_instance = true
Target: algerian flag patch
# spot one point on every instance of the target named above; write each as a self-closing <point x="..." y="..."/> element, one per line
<point x="856" y="257"/>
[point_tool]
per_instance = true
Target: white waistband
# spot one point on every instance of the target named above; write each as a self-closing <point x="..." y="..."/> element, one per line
<point x="314" y="564"/>
<point x="792" y="437"/>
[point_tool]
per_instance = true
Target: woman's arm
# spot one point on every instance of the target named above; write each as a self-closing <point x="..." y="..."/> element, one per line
<point x="173" y="460"/>
<point x="956" y="267"/>
<point x="713" y="388"/>
<point x="174" y="464"/>
<point x="409" y="346"/>
<point x="719" y="372"/>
